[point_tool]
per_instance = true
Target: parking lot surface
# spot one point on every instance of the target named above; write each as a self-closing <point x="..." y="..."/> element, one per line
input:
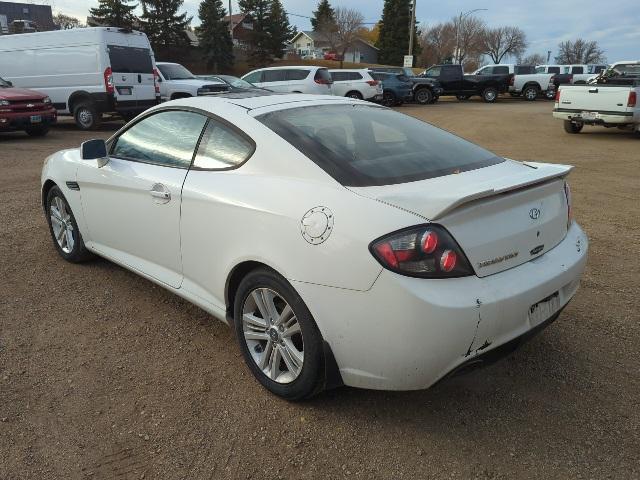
<point x="105" y="375"/>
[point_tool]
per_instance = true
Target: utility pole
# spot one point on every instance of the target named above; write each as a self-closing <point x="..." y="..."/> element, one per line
<point x="456" y="56"/>
<point x="230" y="23"/>
<point x="412" y="26"/>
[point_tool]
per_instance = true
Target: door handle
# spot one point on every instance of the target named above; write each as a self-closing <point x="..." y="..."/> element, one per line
<point x="139" y="78"/>
<point x="160" y="192"/>
<point x="593" y="90"/>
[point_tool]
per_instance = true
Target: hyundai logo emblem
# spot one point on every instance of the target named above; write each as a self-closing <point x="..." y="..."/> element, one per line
<point x="535" y="213"/>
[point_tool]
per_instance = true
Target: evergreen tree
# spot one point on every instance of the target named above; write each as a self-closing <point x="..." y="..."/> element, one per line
<point x="214" y="36"/>
<point x="279" y="29"/>
<point x="162" y="23"/>
<point x="261" y="46"/>
<point x="393" y="40"/>
<point x="324" y="14"/>
<point x="114" y="13"/>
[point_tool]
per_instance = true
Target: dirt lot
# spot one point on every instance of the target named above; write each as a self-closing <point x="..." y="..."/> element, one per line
<point x="104" y="375"/>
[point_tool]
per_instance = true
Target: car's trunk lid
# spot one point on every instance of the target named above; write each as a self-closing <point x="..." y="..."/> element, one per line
<point x="594" y="98"/>
<point x="502" y="216"/>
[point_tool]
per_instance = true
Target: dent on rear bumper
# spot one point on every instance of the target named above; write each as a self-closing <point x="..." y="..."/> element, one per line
<point x="407" y="333"/>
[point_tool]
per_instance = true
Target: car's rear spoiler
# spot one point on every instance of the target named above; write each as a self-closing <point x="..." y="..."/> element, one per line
<point x="434" y="198"/>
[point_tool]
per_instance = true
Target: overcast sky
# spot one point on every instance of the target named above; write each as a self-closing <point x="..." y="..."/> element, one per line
<point x="614" y="24"/>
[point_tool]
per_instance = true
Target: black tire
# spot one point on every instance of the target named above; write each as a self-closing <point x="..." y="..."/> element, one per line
<point x="79" y="252"/>
<point x="310" y="380"/>
<point x="550" y="94"/>
<point x="389" y="99"/>
<point x="530" y="93"/>
<point x="37" y="131"/>
<point x="463" y="97"/>
<point x="423" y="96"/>
<point x="354" y="94"/>
<point x="573" y="127"/>
<point x="435" y="100"/>
<point x="87" y="116"/>
<point x="490" y="94"/>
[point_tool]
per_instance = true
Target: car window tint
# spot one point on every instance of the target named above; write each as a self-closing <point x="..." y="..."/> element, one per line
<point x="166" y="138"/>
<point x="339" y="76"/>
<point x="500" y="70"/>
<point x="433" y="72"/>
<point x="273" y="76"/>
<point x="323" y="74"/>
<point x="130" y="59"/>
<point x="577" y="70"/>
<point x="296" y="74"/>
<point x="253" y="77"/>
<point x="553" y="70"/>
<point x="356" y="76"/>
<point x="222" y="147"/>
<point x="365" y="145"/>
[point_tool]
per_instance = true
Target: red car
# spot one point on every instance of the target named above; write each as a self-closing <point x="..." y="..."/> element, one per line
<point x="26" y="110"/>
<point x="333" y="56"/>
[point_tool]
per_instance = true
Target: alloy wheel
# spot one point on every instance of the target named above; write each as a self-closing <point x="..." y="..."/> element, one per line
<point x="273" y="336"/>
<point x="61" y="224"/>
<point x="85" y="117"/>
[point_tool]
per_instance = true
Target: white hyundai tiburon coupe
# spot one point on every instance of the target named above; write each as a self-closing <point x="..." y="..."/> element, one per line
<point x="345" y="242"/>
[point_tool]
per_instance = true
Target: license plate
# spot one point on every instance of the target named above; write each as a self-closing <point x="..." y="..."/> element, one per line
<point x="124" y="91"/>
<point x="544" y="309"/>
<point x="36" y="118"/>
<point x="590" y="115"/>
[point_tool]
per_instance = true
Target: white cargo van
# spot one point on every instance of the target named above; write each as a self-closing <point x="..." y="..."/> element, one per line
<point x="86" y="72"/>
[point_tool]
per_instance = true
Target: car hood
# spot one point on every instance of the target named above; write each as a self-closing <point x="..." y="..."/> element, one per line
<point x="18" y="94"/>
<point x="195" y="82"/>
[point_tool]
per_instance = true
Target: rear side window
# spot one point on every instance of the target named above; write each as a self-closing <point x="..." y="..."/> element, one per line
<point x="524" y="69"/>
<point x="553" y="70"/>
<point x="273" y="76"/>
<point x="500" y="70"/>
<point x="323" y="74"/>
<point x="361" y="145"/>
<point x="339" y="76"/>
<point x="222" y="147"/>
<point x="297" y="74"/>
<point x="130" y="59"/>
<point x="577" y="70"/>
<point x="166" y="138"/>
<point x="378" y="76"/>
<point x="354" y="76"/>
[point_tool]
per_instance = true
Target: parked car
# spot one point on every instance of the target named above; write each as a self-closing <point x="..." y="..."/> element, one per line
<point x="396" y="88"/>
<point x="295" y="79"/>
<point x="177" y="82"/>
<point x="356" y="84"/>
<point x="234" y="84"/>
<point x="611" y="102"/>
<point x="336" y="57"/>
<point x="425" y="90"/>
<point x="455" y="83"/>
<point x="505" y="69"/>
<point x="532" y="85"/>
<point x="27" y="110"/>
<point x="324" y="229"/>
<point x="86" y="72"/>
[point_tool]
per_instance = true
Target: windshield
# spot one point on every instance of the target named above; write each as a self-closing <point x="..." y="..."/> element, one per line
<point x="4" y="83"/>
<point x="175" y="71"/>
<point x="236" y="82"/>
<point x="361" y="145"/>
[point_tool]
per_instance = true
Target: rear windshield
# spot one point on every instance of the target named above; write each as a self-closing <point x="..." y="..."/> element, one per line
<point x="361" y="145"/>
<point x="130" y="59"/>
<point x="323" y="74"/>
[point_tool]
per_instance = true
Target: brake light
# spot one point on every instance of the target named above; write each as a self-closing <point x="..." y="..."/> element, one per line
<point x="156" y="83"/>
<point x="322" y="81"/>
<point x="426" y="251"/>
<point x="557" y="96"/>
<point x="108" y="80"/>
<point x="373" y="83"/>
<point x="567" y="195"/>
<point x="631" y="102"/>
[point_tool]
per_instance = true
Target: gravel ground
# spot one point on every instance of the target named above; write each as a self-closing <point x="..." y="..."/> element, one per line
<point x="105" y="375"/>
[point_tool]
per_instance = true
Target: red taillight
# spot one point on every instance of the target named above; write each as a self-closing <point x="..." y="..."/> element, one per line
<point x="448" y="260"/>
<point x="373" y="83"/>
<point x="323" y="81"/>
<point x="426" y="251"/>
<point x="156" y="77"/>
<point x="558" y="96"/>
<point x="108" y="80"/>
<point x="631" y="102"/>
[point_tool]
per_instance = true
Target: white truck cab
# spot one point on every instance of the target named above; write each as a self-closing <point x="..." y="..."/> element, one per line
<point x="86" y="72"/>
<point x="177" y="82"/>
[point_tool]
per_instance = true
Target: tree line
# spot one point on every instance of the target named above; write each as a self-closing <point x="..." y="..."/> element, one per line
<point x="463" y="39"/>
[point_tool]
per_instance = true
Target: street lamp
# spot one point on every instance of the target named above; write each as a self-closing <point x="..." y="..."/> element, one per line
<point x="462" y="17"/>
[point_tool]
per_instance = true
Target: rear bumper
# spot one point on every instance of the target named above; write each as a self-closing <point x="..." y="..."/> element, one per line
<point x="23" y="120"/>
<point x="602" y="118"/>
<point x="134" y="106"/>
<point x="408" y="333"/>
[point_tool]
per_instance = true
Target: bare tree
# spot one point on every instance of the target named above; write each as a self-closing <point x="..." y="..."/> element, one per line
<point x="469" y="37"/>
<point x="580" y="52"/>
<point x="533" y="59"/>
<point x="343" y="31"/>
<point x="66" y="22"/>
<point x="502" y="41"/>
<point x="438" y="44"/>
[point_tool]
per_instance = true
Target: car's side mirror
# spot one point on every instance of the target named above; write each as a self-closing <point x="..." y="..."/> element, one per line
<point x="94" y="150"/>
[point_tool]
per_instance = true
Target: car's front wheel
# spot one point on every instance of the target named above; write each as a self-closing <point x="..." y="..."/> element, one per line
<point x="87" y="116"/>
<point x="64" y="229"/>
<point x="490" y="94"/>
<point x="423" y="96"/>
<point x="389" y="99"/>
<point x="279" y="339"/>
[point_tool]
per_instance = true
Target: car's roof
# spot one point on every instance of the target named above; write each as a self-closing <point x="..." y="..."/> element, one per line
<point x="251" y="100"/>
<point x="291" y="67"/>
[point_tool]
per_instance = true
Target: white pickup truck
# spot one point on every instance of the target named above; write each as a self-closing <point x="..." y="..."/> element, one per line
<point x="611" y="100"/>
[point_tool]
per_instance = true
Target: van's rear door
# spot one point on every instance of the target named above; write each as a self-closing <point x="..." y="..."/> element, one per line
<point x="132" y="66"/>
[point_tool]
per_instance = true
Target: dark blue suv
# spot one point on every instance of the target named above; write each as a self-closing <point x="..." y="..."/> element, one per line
<point x="396" y="88"/>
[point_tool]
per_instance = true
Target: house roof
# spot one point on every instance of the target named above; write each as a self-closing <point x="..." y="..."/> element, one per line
<point x="314" y="36"/>
<point x="236" y="18"/>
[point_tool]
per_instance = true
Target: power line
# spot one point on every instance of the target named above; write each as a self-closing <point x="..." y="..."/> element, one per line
<point x="307" y="16"/>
